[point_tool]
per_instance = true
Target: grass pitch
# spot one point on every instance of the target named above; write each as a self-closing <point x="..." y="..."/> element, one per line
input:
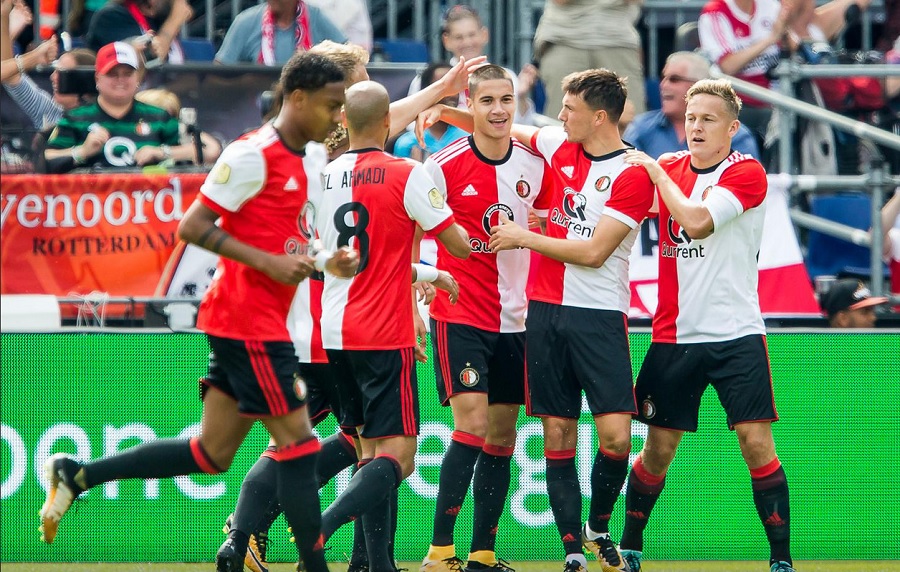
<point x="649" y="566"/>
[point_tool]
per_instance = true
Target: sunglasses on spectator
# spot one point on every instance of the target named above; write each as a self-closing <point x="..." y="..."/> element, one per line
<point x="675" y="78"/>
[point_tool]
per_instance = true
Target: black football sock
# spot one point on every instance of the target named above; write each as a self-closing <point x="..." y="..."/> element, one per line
<point x="565" y="497"/>
<point x="770" y="495"/>
<point x="258" y="497"/>
<point x="607" y="477"/>
<point x="153" y="460"/>
<point x="371" y="484"/>
<point x="456" y="476"/>
<point x="395" y="494"/>
<point x="644" y="489"/>
<point x="299" y="498"/>
<point x="359" y="557"/>
<point x="376" y="523"/>
<point x="490" y="488"/>
<point x="338" y="452"/>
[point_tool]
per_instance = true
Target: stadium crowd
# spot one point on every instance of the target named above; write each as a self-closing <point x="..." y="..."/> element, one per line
<point x="533" y="226"/>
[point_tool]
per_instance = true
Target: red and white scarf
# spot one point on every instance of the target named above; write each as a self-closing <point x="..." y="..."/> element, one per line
<point x="301" y="32"/>
<point x="176" y="56"/>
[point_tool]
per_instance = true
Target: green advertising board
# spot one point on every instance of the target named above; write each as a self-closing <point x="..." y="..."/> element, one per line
<point x="94" y="394"/>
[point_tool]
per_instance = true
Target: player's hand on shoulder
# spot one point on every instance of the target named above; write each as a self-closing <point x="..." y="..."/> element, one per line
<point x="446" y="282"/>
<point x="343" y="263"/>
<point x="507" y="235"/>
<point x="457" y="79"/>
<point x="635" y="157"/>
<point x="289" y="269"/>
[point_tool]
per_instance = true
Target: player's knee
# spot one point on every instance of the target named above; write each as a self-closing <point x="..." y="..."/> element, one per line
<point x="559" y="434"/>
<point x="502" y="436"/>
<point x="616" y="446"/>
<point x="211" y="459"/>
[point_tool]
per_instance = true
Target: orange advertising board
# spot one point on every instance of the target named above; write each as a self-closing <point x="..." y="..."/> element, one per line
<point x="71" y="235"/>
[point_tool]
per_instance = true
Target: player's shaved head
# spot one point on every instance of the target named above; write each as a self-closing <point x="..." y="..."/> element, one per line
<point x="366" y="105"/>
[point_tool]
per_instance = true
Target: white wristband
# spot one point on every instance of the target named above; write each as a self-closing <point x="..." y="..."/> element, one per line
<point x="426" y="273"/>
<point x="322" y="258"/>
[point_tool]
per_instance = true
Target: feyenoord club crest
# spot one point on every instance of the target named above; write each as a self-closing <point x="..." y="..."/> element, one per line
<point x="602" y="184"/>
<point x="299" y="387"/>
<point x="648" y="409"/>
<point x="142" y="128"/>
<point x="705" y="193"/>
<point x="469" y="377"/>
<point x="523" y="189"/>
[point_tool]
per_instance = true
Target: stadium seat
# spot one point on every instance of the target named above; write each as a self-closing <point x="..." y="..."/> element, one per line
<point x="198" y="50"/>
<point x="827" y="255"/>
<point x="401" y="50"/>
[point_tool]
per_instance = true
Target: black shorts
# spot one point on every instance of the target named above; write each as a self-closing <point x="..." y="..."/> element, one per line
<point x="261" y="376"/>
<point x="471" y="360"/>
<point x="379" y="391"/>
<point x="323" y="397"/>
<point x="572" y="349"/>
<point x="674" y="376"/>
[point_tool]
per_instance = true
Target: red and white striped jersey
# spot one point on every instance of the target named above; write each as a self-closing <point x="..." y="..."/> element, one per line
<point x="708" y="287"/>
<point x="258" y="187"/>
<point x="478" y="189"/>
<point x="725" y="29"/>
<point x="306" y="309"/>
<point x="587" y="188"/>
<point x="373" y="202"/>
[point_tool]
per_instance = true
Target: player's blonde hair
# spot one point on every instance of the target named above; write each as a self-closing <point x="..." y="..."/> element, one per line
<point x="719" y="88"/>
<point x="346" y="56"/>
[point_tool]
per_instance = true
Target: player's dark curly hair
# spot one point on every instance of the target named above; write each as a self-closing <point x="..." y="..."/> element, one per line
<point x="600" y="89"/>
<point x="309" y="72"/>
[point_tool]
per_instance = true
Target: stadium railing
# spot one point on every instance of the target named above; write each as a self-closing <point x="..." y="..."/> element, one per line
<point x="876" y="180"/>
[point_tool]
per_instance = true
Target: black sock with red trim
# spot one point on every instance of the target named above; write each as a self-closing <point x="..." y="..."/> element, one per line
<point x="644" y="489"/>
<point x="770" y="495"/>
<point x="456" y="476"/>
<point x="376" y="524"/>
<point x="154" y="460"/>
<point x="259" y="496"/>
<point x="371" y="484"/>
<point x="299" y="498"/>
<point x="359" y="557"/>
<point x="565" y="497"/>
<point x="490" y="488"/>
<point x="607" y="477"/>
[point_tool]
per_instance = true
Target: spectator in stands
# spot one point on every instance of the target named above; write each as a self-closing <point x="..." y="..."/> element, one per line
<point x="662" y="130"/>
<point x="466" y="36"/>
<point x="745" y="37"/>
<point x="576" y="35"/>
<point x="44" y="110"/>
<point x="116" y="130"/>
<point x="17" y="18"/>
<point x="850" y="304"/>
<point x="269" y="33"/>
<point x="351" y="17"/>
<point x="186" y="150"/>
<point x="438" y="135"/>
<point x="81" y="14"/>
<point x="123" y="19"/>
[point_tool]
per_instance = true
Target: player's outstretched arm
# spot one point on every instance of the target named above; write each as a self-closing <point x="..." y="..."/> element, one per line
<point x="593" y="253"/>
<point x="199" y="227"/>
<point x="440" y="278"/>
<point x="404" y="111"/>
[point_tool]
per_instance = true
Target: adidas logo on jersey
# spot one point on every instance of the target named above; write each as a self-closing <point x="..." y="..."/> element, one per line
<point x="469" y="191"/>
<point x="569" y="170"/>
<point x="291" y="185"/>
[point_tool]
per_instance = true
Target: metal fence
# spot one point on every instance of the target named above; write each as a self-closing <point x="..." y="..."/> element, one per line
<point x="876" y="180"/>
